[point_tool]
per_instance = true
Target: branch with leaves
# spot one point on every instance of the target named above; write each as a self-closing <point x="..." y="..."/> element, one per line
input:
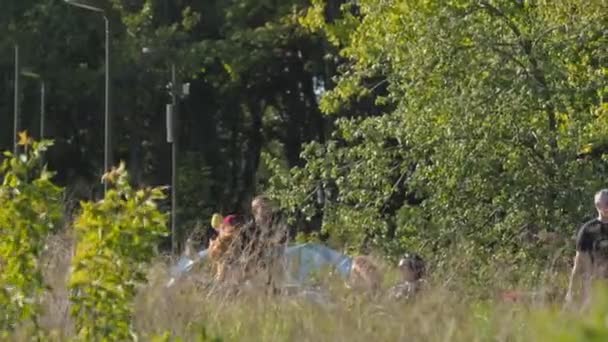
<point x="116" y="238"/>
<point x="30" y="209"/>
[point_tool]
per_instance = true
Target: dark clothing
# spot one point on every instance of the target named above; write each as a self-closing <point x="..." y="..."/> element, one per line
<point x="261" y="246"/>
<point x="593" y="239"/>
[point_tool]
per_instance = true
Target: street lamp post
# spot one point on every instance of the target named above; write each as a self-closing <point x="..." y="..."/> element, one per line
<point x="173" y="160"/>
<point x="180" y="90"/>
<point x="16" y="101"/>
<point x="31" y="74"/>
<point x="175" y="91"/>
<point x="42" y="108"/>
<point x="92" y="6"/>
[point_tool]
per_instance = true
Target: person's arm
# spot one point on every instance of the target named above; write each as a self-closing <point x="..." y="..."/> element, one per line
<point x="582" y="264"/>
<point x="215" y="248"/>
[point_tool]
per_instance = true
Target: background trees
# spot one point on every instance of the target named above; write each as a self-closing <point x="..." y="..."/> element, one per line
<point x="486" y="125"/>
<point x="389" y="124"/>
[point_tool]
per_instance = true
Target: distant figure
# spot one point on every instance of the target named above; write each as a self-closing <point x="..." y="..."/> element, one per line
<point x="412" y="268"/>
<point x="365" y="275"/>
<point x="222" y="250"/>
<point x="262" y="210"/>
<point x="591" y="259"/>
<point x="263" y="239"/>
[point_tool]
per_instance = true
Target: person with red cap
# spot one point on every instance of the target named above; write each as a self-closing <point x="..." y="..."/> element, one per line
<point x="222" y="249"/>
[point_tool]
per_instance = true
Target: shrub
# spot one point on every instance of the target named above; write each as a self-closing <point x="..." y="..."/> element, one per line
<point x="30" y="209"/>
<point x="116" y="237"/>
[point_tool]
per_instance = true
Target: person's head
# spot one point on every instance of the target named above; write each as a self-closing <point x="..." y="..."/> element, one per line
<point x="365" y="274"/>
<point x="601" y="202"/>
<point x="412" y="267"/>
<point x="229" y="224"/>
<point x="261" y="208"/>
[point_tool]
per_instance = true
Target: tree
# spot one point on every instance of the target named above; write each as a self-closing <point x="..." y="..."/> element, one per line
<point x="254" y="74"/>
<point x="488" y="105"/>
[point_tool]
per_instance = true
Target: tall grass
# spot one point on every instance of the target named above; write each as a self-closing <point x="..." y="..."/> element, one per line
<point x="452" y="308"/>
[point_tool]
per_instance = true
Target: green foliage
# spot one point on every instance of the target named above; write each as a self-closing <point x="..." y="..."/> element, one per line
<point x="486" y="106"/>
<point x="254" y="73"/>
<point x="30" y="209"/>
<point x="570" y="326"/>
<point x="196" y="332"/>
<point x="116" y="238"/>
<point x="195" y="196"/>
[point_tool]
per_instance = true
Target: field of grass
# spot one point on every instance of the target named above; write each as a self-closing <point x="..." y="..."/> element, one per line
<point x="452" y="308"/>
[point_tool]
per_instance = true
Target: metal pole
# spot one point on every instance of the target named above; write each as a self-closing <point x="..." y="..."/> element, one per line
<point x="174" y="162"/>
<point x="107" y="137"/>
<point x="16" y="104"/>
<point x="42" y="109"/>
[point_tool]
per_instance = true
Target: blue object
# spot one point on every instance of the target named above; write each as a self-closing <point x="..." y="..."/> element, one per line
<point x="305" y="259"/>
<point x="184" y="264"/>
<point x="301" y="262"/>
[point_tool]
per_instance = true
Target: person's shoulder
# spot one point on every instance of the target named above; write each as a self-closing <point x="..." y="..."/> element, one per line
<point x="248" y="223"/>
<point x="590" y="226"/>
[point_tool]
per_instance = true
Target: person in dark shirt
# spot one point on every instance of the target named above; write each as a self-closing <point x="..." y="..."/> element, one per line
<point x="591" y="258"/>
<point x="263" y="238"/>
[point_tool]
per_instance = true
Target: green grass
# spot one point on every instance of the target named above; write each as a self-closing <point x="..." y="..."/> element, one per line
<point x="456" y="307"/>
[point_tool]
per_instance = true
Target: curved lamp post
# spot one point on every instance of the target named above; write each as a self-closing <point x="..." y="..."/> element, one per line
<point x="94" y="6"/>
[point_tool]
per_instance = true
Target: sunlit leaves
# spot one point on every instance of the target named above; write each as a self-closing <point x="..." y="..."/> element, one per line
<point x="30" y="209"/>
<point x="490" y="103"/>
<point x="116" y="237"/>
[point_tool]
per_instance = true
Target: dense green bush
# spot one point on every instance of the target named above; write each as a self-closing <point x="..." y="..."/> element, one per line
<point x="116" y="238"/>
<point x="30" y="209"/>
